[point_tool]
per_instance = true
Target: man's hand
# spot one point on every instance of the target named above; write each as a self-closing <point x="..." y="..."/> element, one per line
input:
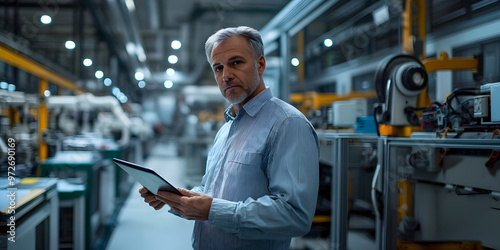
<point x="191" y="205"/>
<point x="151" y="199"/>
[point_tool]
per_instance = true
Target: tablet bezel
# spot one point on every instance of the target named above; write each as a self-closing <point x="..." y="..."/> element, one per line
<point x="156" y="182"/>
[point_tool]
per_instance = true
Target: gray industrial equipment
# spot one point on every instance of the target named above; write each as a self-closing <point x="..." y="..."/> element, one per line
<point x="398" y="82"/>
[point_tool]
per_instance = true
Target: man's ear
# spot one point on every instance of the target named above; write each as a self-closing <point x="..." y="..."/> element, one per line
<point x="261" y="64"/>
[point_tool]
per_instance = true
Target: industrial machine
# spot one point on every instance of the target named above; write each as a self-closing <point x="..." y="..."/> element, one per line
<point x="398" y="82"/>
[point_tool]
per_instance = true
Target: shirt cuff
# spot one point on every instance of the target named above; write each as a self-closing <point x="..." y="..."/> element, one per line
<point x="222" y="215"/>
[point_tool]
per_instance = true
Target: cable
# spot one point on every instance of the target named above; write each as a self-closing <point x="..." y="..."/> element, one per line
<point x="493" y="157"/>
<point x="376" y="111"/>
<point x="374" y="190"/>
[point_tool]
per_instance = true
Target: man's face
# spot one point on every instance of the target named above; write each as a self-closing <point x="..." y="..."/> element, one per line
<point x="236" y="72"/>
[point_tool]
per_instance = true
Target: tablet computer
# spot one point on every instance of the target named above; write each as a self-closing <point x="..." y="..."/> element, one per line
<point x="146" y="177"/>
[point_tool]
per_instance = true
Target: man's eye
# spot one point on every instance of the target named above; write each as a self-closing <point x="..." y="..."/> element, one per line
<point x="237" y="62"/>
<point x="217" y="69"/>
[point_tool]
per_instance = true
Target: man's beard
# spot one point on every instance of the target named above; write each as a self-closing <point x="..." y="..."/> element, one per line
<point x="247" y="90"/>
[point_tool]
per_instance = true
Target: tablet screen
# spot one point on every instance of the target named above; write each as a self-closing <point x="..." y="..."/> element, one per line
<point x="146" y="177"/>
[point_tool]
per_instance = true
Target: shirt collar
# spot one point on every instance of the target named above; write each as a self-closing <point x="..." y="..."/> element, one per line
<point x="252" y="107"/>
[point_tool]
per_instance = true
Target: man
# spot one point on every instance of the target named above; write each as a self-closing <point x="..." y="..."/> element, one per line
<point x="261" y="181"/>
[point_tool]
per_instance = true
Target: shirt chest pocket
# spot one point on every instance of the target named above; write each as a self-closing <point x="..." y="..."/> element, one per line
<point x="244" y="162"/>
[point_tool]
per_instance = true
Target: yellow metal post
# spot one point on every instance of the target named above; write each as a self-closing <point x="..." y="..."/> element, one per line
<point x="43" y="148"/>
<point x="300" y="53"/>
<point x="408" y="28"/>
<point x="423" y="98"/>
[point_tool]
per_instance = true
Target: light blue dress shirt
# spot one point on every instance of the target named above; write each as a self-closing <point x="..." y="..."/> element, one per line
<point x="262" y="172"/>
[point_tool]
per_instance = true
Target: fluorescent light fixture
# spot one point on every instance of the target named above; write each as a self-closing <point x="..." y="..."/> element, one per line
<point x="168" y="84"/>
<point x="141" y="84"/>
<point x="46" y="93"/>
<point x="170" y="72"/>
<point x="107" y="82"/>
<point x="173" y="59"/>
<point x="70" y="44"/>
<point x="176" y="44"/>
<point x="130" y="5"/>
<point x="87" y="62"/>
<point x="4" y="85"/>
<point x="139" y="76"/>
<point x="45" y="19"/>
<point x="99" y="74"/>
<point x="381" y="15"/>
<point x="328" y="42"/>
<point x="295" y="62"/>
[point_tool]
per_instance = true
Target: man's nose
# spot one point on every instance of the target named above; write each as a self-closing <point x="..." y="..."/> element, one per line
<point x="227" y="75"/>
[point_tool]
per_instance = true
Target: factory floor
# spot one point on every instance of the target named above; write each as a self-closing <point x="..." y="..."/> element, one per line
<point x="140" y="226"/>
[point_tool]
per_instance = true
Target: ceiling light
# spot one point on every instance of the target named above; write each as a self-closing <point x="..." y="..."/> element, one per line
<point x="141" y="54"/>
<point x="46" y="93"/>
<point x="70" y="44"/>
<point x="170" y="72"/>
<point x="107" y="82"/>
<point x="99" y="74"/>
<point x="176" y="44"/>
<point x="46" y="19"/>
<point x="87" y="62"/>
<point x="4" y="85"/>
<point x="116" y="91"/>
<point x="130" y="5"/>
<point x="295" y="62"/>
<point x="381" y="15"/>
<point x="173" y="59"/>
<point x="130" y="47"/>
<point x="141" y="84"/>
<point x="123" y="99"/>
<point x="11" y="87"/>
<point x="168" y="84"/>
<point x="328" y="42"/>
<point x="139" y="76"/>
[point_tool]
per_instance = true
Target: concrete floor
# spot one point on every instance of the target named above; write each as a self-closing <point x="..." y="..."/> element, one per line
<point x="140" y="226"/>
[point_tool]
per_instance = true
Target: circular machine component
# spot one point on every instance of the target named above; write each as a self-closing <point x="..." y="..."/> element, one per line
<point x="386" y="69"/>
<point x="411" y="78"/>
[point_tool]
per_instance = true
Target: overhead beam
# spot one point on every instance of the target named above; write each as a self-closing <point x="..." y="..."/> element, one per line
<point x="28" y="65"/>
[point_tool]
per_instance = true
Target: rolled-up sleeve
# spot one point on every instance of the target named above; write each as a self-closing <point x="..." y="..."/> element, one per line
<point x="292" y="172"/>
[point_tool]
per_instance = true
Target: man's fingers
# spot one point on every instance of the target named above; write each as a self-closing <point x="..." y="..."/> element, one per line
<point x="150" y="198"/>
<point x="155" y="203"/>
<point x="169" y="196"/>
<point x="159" y="206"/>
<point x="143" y="190"/>
<point x="169" y="202"/>
<point x="186" y="192"/>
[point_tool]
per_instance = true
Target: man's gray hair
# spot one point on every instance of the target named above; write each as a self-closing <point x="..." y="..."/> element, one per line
<point x="252" y="35"/>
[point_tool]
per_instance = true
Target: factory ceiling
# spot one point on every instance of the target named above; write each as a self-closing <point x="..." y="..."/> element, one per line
<point x="123" y="37"/>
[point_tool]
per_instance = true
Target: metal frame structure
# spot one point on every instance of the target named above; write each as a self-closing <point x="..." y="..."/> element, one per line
<point x="392" y="168"/>
<point x="340" y="144"/>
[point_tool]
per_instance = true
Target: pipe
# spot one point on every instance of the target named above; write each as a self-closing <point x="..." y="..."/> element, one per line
<point x="113" y="105"/>
<point x="88" y="102"/>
